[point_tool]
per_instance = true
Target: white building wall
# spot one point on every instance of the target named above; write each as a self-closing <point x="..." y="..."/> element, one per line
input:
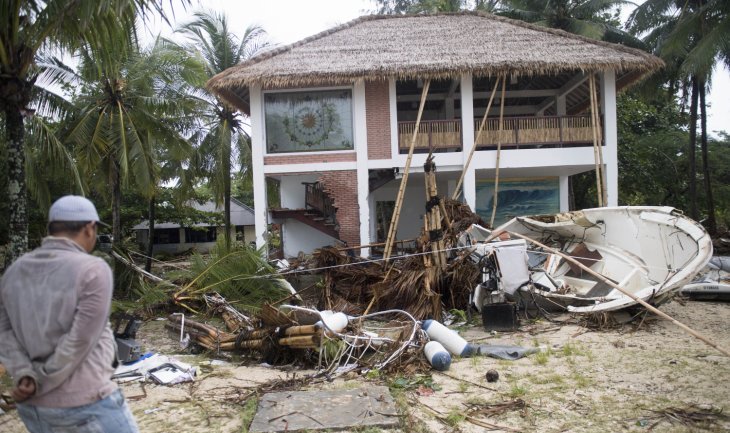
<point x="299" y="237"/>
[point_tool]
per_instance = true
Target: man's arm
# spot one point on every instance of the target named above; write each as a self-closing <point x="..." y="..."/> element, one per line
<point x="90" y="319"/>
<point x="12" y="355"/>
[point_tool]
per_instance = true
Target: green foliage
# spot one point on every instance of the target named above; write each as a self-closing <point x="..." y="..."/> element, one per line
<point x="455" y="417"/>
<point x="248" y="412"/>
<point x="240" y="274"/>
<point x="413" y="382"/>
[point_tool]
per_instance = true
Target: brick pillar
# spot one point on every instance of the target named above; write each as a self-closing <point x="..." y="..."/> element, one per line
<point x="342" y="187"/>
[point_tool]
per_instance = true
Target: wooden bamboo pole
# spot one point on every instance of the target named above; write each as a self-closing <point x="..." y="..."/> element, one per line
<point x="404" y="181"/>
<point x="457" y="191"/>
<point x="300" y="340"/>
<point x="599" y="134"/>
<point x="499" y="152"/>
<point x="596" y="157"/>
<point x="300" y="330"/>
<point x="620" y="289"/>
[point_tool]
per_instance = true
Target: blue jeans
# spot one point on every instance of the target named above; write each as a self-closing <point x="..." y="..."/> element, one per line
<point x="109" y="415"/>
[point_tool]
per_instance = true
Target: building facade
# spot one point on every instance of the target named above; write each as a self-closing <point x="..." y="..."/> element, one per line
<point x="333" y="120"/>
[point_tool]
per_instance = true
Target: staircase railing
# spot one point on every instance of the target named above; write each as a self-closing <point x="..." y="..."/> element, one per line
<point x="317" y="199"/>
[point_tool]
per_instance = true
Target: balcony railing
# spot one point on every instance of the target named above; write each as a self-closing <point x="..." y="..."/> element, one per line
<point x="432" y="134"/>
<point x="552" y="131"/>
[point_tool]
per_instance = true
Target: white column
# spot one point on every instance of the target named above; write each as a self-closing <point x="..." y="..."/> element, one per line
<point x="467" y="137"/>
<point x="564" y="194"/>
<point x="361" y="149"/>
<point x="258" y="145"/>
<point x="610" y="150"/>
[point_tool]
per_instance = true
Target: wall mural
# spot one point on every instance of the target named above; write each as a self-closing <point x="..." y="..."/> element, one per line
<point x="308" y="121"/>
<point x="518" y="197"/>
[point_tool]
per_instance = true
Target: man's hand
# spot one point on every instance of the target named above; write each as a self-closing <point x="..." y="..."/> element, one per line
<point x="25" y="389"/>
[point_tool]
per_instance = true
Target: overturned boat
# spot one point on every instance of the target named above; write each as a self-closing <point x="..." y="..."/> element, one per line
<point x="649" y="252"/>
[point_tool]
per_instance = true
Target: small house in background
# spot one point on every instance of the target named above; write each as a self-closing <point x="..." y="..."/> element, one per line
<point x="173" y="238"/>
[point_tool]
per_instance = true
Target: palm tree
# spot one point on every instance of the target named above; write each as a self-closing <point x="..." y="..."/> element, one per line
<point x="589" y="18"/>
<point x="434" y="6"/>
<point x="223" y="136"/>
<point x="134" y="108"/>
<point x="691" y="36"/>
<point x="27" y="26"/>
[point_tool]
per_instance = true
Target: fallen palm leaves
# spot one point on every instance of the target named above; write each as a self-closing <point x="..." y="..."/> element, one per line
<point x="417" y="283"/>
<point x="691" y="416"/>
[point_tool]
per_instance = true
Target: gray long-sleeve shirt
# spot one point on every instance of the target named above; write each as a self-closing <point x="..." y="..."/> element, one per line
<point x="54" y="308"/>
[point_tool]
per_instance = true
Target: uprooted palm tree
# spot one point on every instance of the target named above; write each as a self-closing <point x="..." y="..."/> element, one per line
<point x="223" y="136"/>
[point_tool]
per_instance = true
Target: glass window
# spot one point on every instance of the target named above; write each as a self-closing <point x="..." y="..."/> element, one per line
<point x="206" y="234"/>
<point x="166" y="236"/>
<point x="308" y="121"/>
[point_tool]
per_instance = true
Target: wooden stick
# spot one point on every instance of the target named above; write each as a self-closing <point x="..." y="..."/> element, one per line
<point x="599" y="134"/>
<point x="300" y="340"/>
<point x="300" y="330"/>
<point x="404" y="181"/>
<point x="499" y="152"/>
<point x="457" y="191"/>
<point x="596" y="157"/>
<point x="617" y="287"/>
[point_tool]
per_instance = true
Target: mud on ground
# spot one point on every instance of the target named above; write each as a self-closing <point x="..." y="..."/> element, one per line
<point x="584" y="380"/>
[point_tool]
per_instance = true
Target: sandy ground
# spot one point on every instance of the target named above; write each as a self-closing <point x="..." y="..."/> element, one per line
<point x="584" y="381"/>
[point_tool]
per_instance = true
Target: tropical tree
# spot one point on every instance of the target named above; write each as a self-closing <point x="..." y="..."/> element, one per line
<point x="595" y="19"/>
<point x="27" y="27"/>
<point x="133" y="111"/>
<point x="223" y="137"/>
<point x="691" y="36"/>
<point x="433" y="6"/>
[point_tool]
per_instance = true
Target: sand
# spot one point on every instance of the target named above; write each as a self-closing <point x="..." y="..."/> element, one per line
<point x="583" y="381"/>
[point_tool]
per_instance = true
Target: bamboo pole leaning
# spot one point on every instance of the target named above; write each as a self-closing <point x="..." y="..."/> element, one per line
<point x="499" y="153"/>
<point x="597" y="153"/>
<point x="404" y="181"/>
<point x="643" y="303"/>
<point x="599" y="133"/>
<point x="457" y="191"/>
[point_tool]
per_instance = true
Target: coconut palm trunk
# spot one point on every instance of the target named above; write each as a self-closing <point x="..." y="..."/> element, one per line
<point x="151" y="234"/>
<point x="691" y="151"/>
<point x="116" y="184"/>
<point x="710" y="202"/>
<point x="18" y="232"/>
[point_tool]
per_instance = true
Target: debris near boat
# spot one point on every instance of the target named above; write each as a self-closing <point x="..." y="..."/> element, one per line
<point x="712" y="284"/>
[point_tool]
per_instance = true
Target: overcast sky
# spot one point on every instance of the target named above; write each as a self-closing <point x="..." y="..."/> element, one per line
<point x="288" y="21"/>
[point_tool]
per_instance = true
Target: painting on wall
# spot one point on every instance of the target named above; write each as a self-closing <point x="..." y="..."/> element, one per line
<point x="308" y="121"/>
<point x="518" y="197"/>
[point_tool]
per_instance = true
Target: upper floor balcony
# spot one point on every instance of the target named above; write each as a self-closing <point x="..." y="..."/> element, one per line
<point x="517" y="132"/>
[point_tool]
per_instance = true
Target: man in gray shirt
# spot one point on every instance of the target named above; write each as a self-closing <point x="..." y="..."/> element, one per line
<point x="55" y="339"/>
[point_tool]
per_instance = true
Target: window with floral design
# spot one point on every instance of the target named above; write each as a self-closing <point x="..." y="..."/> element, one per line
<point x="308" y="121"/>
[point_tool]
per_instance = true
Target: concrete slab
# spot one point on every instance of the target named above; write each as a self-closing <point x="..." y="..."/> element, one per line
<point x="325" y="409"/>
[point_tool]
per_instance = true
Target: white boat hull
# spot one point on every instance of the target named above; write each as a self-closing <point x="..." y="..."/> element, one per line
<point x="650" y="252"/>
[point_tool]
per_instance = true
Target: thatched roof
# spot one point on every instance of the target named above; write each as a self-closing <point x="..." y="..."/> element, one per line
<point x="429" y="46"/>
